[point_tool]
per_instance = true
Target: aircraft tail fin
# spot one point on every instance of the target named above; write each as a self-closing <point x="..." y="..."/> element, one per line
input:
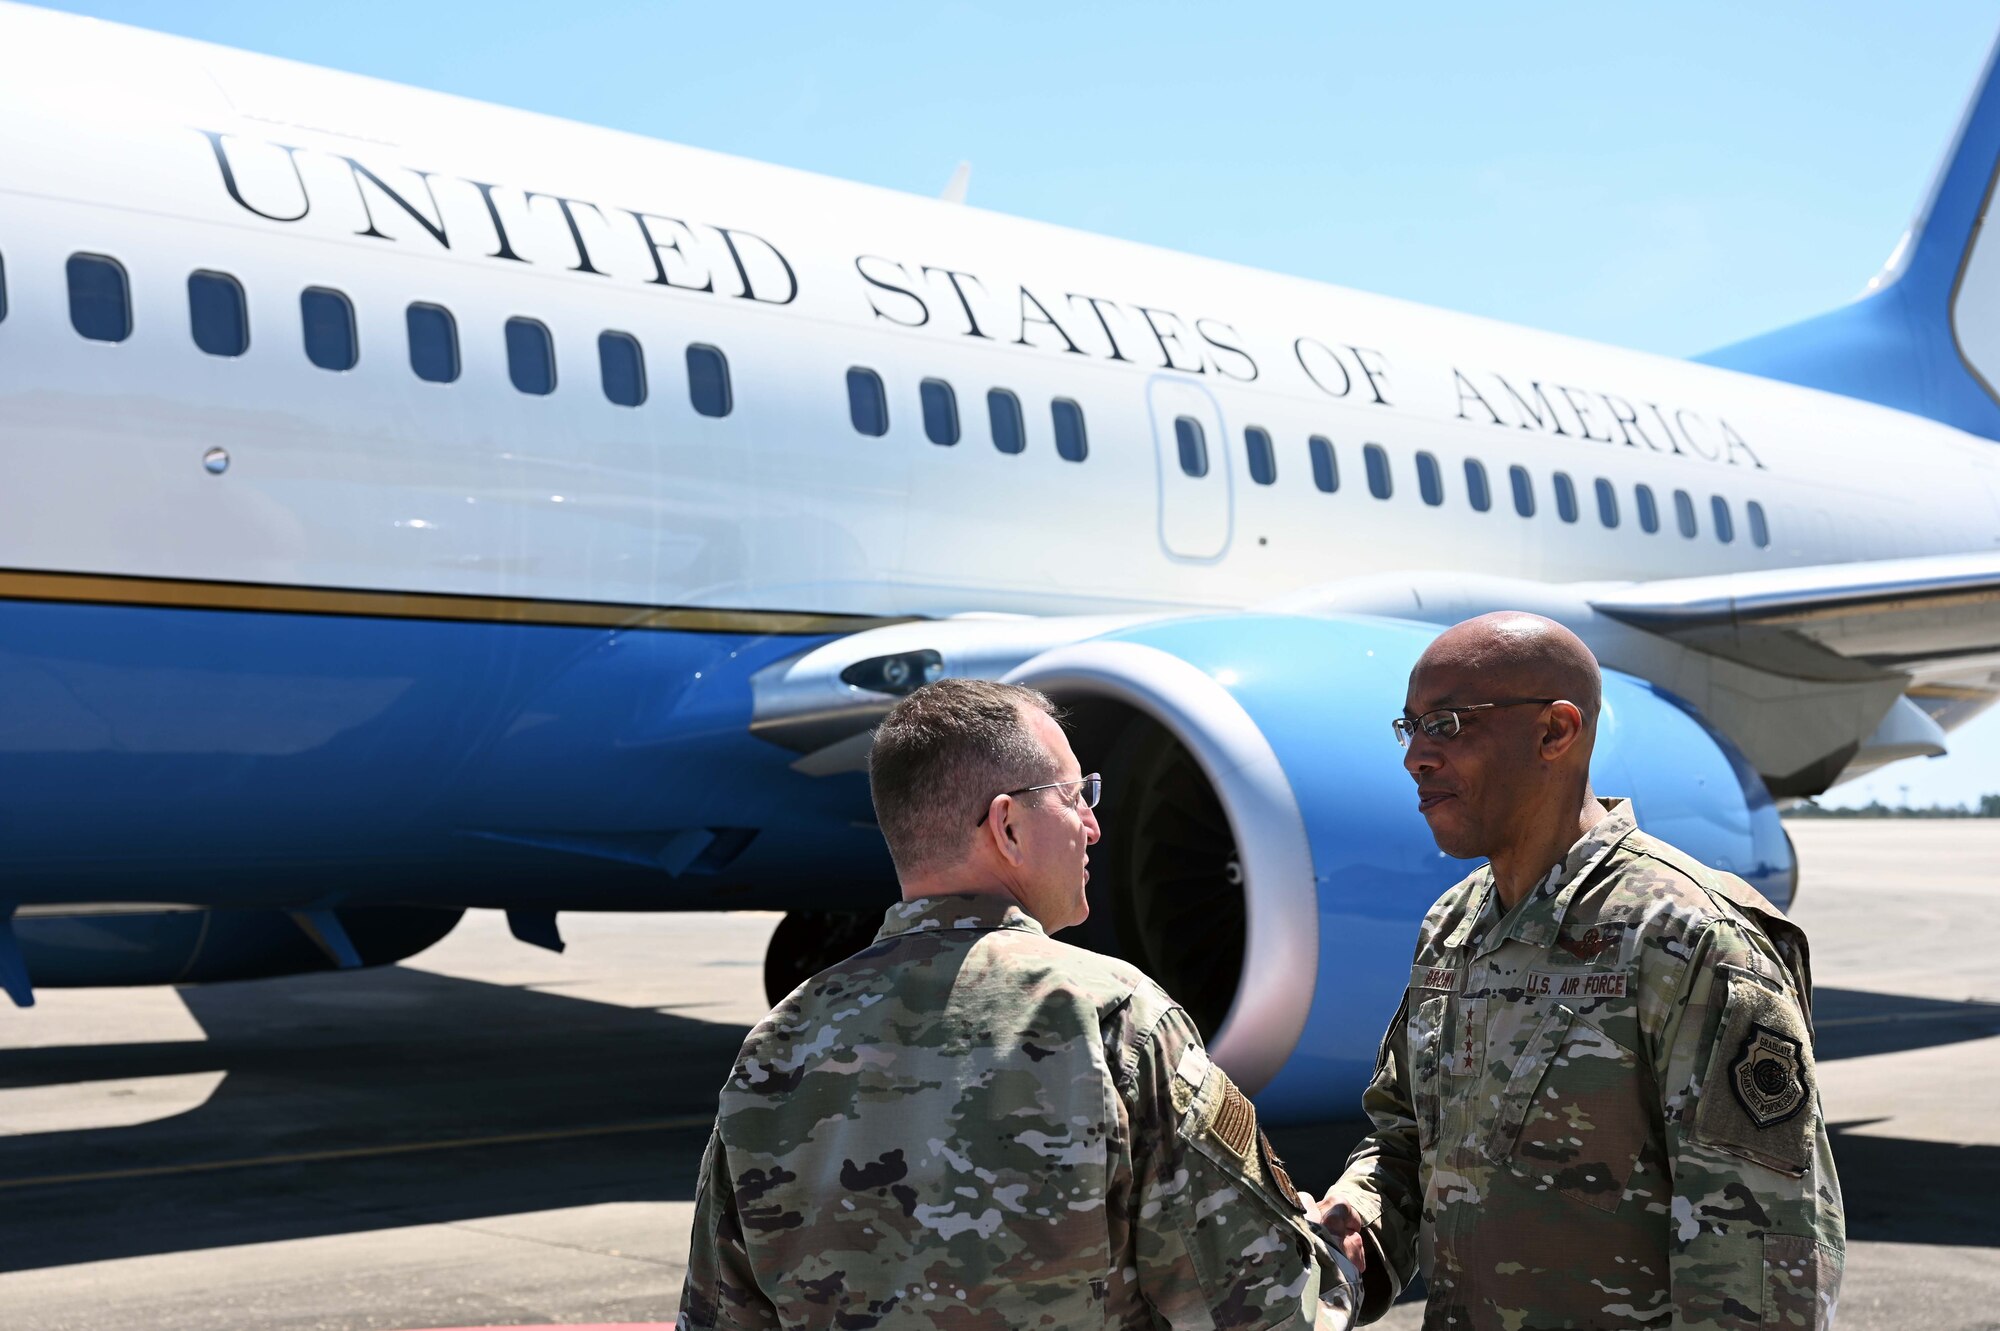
<point x="1924" y="336"/>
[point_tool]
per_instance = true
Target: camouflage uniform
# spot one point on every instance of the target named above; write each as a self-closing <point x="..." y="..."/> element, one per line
<point x="1599" y="1110"/>
<point x="970" y="1124"/>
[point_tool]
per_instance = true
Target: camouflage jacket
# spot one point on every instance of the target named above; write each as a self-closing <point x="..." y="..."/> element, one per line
<point x="969" y="1124"/>
<point x="1599" y="1109"/>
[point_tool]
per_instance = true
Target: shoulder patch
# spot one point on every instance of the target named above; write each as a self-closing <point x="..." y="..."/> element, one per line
<point x="1768" y="1076"/>
<point x="1758" y="1083"/>
<point x="1235" y="1124"/>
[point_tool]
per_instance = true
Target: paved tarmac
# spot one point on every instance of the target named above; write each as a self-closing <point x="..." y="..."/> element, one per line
<point x="495" y="1135"/>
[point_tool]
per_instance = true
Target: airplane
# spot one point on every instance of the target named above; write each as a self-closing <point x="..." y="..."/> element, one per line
<point x="413" y="505"/>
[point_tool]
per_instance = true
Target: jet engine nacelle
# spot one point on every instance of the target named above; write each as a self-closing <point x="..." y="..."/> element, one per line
<point x="1263" y="856"/>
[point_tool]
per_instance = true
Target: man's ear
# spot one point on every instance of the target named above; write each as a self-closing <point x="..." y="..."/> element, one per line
<point x="1563" y="729"/>
<point x="1000" y="823"/>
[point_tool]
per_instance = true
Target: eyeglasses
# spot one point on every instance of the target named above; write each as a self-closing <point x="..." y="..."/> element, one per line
<point x="1093" y="786"/>
<point x="1446" y="722"/>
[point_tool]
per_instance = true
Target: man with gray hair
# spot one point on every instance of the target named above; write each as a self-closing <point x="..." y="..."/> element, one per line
<point x="970" y="1124"/>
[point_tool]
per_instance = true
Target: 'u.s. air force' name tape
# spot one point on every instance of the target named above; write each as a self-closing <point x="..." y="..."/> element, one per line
<point x="1576" y="984"/>
<point x="1554" y="984"/>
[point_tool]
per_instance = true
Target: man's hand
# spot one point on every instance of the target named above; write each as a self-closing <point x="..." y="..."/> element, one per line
<point x="1344" y="1223"/>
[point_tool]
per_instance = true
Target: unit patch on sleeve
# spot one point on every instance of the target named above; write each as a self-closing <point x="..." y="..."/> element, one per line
<point x="1768" y="1076"/>
<point x="1756" y="1097"/>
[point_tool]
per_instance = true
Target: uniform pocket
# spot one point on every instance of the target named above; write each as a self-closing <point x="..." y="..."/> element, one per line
<point x="1801" y="1282"/>
<point x="1570" y="1119"/>
<point x="1426" y="1030"/>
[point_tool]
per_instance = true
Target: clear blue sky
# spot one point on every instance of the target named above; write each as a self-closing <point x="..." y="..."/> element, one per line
<point x="1665" y="177"/>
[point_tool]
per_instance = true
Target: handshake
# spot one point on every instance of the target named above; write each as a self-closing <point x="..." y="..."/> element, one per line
<point x="1342" y="1224"/>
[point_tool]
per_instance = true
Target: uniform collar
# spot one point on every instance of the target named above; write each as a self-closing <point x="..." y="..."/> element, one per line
<point x="977" y="911"/>
<point x="1539" y="917"/>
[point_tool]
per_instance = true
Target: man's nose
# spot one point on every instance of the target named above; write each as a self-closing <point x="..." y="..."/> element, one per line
<point x="1422" y="755"/>
<point x="1092" y="833"/>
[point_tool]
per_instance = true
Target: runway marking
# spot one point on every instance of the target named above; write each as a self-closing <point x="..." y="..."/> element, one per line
<point x="362" y="1152"/>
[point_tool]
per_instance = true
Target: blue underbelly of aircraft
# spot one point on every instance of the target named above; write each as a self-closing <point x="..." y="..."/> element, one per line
<point x="228" y="758"/>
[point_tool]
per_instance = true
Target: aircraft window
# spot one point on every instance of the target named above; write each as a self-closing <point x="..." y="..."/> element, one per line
<point x="1263" y="458"/>
<point x="1380" y="483"/>
<point x="1684" y="513"/>
<point x="1649" y="512"/>
<point x="328" y="320"/>
<point x="1476" y="489"/>
<point x="1430" y="482"/>
<point x="867" y="404"/>
<point x="531" y="356"/>
<point x="1759" y="533"/>
<point x="100" y="303"/>
<point x="1565" y="497"/>
<point x="708" y="380"/>
<point x="621" y="367"/>
<point x="940" y="411"/>
<point x="1524" y="491"/>
<point x="1607" y="503"/>
<point x="3" y="288"/>
<point x="216" y="314"/>
<point x="1326" y="468"/>
<point x="433" y="342"/>
<point x="1725" y="525"/>
<point x="1192" y="441"/>
<point x="1071" y="443"/>
<point x="1003" y="416"/>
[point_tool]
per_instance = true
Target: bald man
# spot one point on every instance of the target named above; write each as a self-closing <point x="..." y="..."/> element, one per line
<point x="1596" y="1106"/>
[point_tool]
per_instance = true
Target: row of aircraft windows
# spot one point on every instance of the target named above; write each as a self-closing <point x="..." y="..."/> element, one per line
<point x="868" y="410"/>
<point x="1191" y="443"/>
<point x="100" y="308"/>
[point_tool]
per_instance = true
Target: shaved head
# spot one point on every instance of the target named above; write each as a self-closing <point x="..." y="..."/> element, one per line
<point x="1514" y="769"/>
<point x="1519" y="654"/>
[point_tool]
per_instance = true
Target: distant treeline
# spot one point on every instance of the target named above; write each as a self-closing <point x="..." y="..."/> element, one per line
<point x="1988" y="807"/>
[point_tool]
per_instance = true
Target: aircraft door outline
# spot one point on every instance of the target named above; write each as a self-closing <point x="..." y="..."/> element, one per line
<point x="1197" y="512"/>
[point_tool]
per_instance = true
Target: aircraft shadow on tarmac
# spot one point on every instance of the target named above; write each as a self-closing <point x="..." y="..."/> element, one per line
<point x="384" y="1059"/>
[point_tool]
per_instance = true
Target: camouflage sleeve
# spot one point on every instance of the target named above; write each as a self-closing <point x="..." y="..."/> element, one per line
<point x="721" y="1290"/>
<point x="1220" y="1238"/>
<point x="1383" y="1180"/>
<point x="1758" y="1231"/>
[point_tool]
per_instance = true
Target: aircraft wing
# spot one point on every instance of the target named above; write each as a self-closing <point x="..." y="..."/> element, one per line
<point x="1928" y="616"/>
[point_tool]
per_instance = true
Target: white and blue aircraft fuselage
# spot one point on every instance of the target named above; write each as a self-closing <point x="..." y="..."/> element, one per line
<point x="412" y="504"/>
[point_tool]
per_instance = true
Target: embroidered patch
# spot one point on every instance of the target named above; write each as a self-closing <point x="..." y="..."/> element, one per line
<point x="1762" y="1053"/>
<point x="1768" y="1076"/>
<point x="1594" y="943"/>
<point x="1444" y="978"/>
<point x="1577" y="984"/>
<point x="1235" y="1124"/>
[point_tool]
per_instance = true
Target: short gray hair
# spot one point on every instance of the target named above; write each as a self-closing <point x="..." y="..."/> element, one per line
<point x="939" y="758"/>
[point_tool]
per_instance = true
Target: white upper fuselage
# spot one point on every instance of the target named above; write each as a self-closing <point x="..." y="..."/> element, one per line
<point x="371" y="478"/>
